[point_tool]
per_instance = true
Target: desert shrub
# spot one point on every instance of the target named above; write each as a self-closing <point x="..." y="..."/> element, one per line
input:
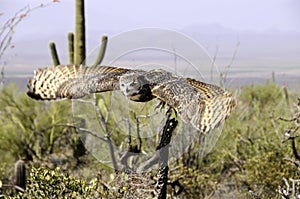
<point x="48" y="183"/>
<point x="32" y="130"/>
<point x="45" y="183"/>
<point x="249" y="154"/>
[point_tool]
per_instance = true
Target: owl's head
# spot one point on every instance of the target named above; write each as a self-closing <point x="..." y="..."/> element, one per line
<point x="130" y="84"/>
<point x="135" y="87"/>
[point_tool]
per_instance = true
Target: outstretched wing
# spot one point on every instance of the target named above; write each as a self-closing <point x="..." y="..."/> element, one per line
<point x="73" y="81"/>
<point x="203" y="105"/>
<point x="220" y="98"/>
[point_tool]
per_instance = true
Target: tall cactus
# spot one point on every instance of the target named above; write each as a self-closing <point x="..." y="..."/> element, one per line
<point x="79" y="43"/>
<point x="20" y="174"/>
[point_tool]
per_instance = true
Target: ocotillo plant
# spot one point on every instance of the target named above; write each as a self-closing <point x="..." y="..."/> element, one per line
<point x="76" y="43"/>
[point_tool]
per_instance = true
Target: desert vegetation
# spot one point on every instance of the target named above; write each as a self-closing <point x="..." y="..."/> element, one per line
<point x="43" y="156"/>
<point x="256" y="154"/>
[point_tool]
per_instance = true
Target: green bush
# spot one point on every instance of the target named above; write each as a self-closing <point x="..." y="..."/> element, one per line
<point x="32" y="129"/>
<point x="249" y="154"/>
<point x="45" y="183"/>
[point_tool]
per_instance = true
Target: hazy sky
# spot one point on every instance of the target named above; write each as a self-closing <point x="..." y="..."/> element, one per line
<point x="112" y="17"/>
<point x="116" y="16"/>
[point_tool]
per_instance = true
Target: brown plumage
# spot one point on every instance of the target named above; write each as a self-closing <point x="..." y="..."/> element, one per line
<point x="201" y="104"/>
<point x="72" y="81"/>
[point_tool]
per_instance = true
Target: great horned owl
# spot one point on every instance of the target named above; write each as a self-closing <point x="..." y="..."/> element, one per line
<point x="201" y="104"/>
<point x="135" y="87"/>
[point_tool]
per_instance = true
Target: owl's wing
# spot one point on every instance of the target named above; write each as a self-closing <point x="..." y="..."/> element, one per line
<point x="203" y="105"/>
<point x="73" y="81"/>
<point x="215" y="94"/>
<point x="209" y="90"/>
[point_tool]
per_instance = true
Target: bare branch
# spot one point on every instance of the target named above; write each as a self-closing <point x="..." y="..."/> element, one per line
<point x="83" y="130"/>
<point x="224" y="75"/>
<point x="7" y="32"/>
<point x="107" y="132"/>
<point x="8" y="29"/>
<point x="163" y="150"/>
<point x="214" y="61"/>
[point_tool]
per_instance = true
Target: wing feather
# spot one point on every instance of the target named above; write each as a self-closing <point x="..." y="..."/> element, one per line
<point x="219" y="97"/>
<point x="73" y="81"/>
<point x="209" y="90"/>
<point x="203" y="105"/>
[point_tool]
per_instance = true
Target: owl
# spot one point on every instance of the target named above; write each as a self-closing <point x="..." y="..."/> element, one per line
<point x="203" y="105"/>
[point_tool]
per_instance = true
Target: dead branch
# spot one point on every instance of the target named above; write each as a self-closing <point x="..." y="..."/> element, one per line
<point x="163" y="148"/>
<point x="107" y="133"/>
<point x="132" y="150"/>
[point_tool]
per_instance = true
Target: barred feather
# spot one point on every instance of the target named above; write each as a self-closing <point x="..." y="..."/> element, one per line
<point x="203" y="105"/>
<point x="72" y="81"/>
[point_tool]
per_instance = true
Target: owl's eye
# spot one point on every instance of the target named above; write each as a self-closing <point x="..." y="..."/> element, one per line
<point x="122" y="85"/>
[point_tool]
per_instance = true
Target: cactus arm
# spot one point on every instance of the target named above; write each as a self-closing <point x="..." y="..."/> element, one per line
<point x="71" y="47"/>
<point x="101" y="53"/>
<point x="54" y="55"/>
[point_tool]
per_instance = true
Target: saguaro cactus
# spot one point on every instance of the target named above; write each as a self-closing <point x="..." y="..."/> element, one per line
<point x="76" y="42"/>
<point x="79" y="43"/>
<point x="20" y="174"/>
